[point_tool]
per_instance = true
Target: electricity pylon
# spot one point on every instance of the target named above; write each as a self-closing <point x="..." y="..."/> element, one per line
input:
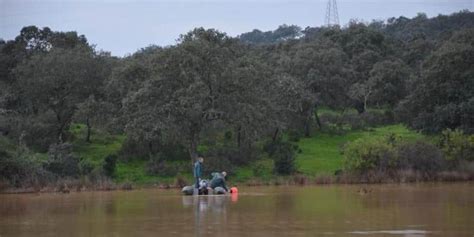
<point x="332" y="16"/>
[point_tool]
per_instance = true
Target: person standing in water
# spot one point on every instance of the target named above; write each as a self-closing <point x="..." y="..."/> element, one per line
<point x="197" y="173"/>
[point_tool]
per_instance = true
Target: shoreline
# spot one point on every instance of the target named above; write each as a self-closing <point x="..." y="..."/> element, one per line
<point x="404" y="177"/>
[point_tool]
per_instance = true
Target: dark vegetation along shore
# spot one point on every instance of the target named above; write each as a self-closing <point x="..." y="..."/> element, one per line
<point x="371" y="102"/>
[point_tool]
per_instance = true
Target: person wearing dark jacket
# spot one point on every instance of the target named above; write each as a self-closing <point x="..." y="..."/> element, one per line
<point x="218" y="180"/>
<point x="198" y="171"/>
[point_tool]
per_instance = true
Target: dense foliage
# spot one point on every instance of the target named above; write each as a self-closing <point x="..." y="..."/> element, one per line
<point x="222" y="96"/>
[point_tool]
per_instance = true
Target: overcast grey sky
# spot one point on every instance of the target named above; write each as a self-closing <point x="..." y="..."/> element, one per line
<point x="124" y="26"/>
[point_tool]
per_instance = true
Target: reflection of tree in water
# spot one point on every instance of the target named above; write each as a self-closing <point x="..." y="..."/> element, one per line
<point x="210" y="212"/>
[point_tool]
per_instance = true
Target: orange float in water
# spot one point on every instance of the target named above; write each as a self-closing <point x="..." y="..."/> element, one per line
<point x="234" y="190"/>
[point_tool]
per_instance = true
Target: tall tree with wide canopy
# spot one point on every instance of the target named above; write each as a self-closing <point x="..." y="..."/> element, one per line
<point x="201" y="80"/>
<point x="444" y="95"/>
<point x="322" y="68"/>
<point x="56" y="81"/>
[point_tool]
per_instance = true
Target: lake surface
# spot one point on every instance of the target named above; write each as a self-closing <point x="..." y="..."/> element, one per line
<point x="340" y="210"/>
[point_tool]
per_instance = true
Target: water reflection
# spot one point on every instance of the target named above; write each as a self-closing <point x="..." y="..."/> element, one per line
<point x="210" y="212"/>
<point x="388" y="210"/>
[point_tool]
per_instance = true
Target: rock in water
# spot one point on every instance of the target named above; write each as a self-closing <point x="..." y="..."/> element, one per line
<point x="219" y="190"/>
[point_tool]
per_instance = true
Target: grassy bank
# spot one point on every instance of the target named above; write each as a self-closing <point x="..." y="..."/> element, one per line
<point x="320" y="156"/>
<point x="318" y="159"/>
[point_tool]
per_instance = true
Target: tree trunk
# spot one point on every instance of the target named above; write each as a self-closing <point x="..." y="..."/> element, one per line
<point x="193" y="144"/>
<point x="60" y="136"/>
<point x="239" y="130"/>
<point x="365" y="104"/>
<point x="275" y="134"/>
<point x="63" y="125"/>
<point x="366" y="99"/>
<point x="193" y="152"/>
<point x="307" y="123"/>
<point x="88" y="135"/>
<point x="150" y="147"/>
<point x="59" y="132"/>
<point x="307" y="127"/>
<point x="317" y="119"/>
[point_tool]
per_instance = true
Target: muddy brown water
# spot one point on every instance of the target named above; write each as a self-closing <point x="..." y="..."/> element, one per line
<point x="339" y="210"/>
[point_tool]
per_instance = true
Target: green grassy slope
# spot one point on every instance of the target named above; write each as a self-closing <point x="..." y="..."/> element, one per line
<point x="101" y="144"/>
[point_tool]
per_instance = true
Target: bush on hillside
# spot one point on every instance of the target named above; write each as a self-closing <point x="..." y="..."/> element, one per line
<point x="22" y="168"/>
<point x="262" y="168"/>
<point x="158" y="165"/>
<point x="294" y="135"/>
<point x="61" y="161"/>
<point x="109" y="165"/>
<point x="457" y="146"/>
<point x="284" y="155"/>
<point x="391" y="154"/>
<point x="85" y="167"/>
<point x="138" y="148"/>
<point x="37" y="133"/>
<point x="419" y="156"/>
<point x="234" y="155"/>
<point x="369" y="154"/>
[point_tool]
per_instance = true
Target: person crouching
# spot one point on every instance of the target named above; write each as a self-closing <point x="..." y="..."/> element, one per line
<point x="218" y="180"/>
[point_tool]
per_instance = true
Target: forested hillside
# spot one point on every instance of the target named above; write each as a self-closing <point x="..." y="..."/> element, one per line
<point x="69" y="111"/>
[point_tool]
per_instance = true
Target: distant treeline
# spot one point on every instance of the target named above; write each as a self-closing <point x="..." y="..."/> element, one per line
<point x="255" y="86"/>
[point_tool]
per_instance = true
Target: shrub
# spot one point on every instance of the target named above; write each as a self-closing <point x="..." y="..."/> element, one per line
<point x="157" y="165"/>
<point x="85" y="167"/>
<point x="378" y="117"/>
<point x="294" y="135"/>
<point x="367" y="154"/>
<point x="228" y="135"/>
<point x="109" y="165"/>
<point x="258" y="170"/>
<point x="390" y="154"/>
<point x="419" y="156"/>
<point x="334" y="124"/>
<point x="38" y="129"/>
<point x="61" y="160"/>
<point x="262" y="168"/>
<point x="355" y="121"/>
<point x="22" y="168"/>
<point x="138" y="147"/>
<point x="284" y="155"/>
<point x="457" y="146"/>
<point x="233" y="155"/>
